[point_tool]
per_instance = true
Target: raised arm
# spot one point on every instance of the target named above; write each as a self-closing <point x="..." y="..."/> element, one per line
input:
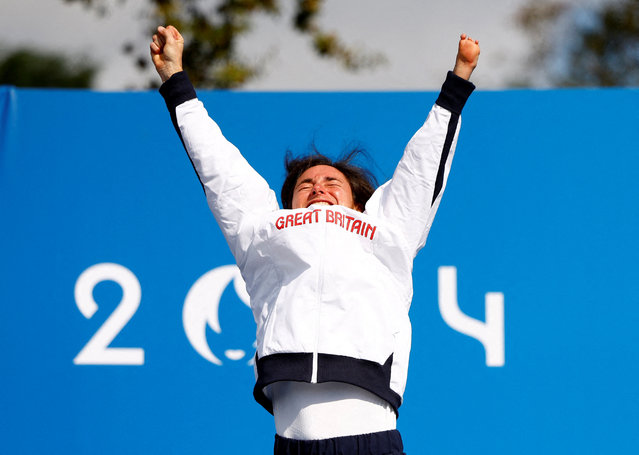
<point x="234" y="191"/>
<point x="411" y="198"/>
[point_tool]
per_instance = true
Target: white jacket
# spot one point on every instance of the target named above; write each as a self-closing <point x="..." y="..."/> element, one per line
<point x="330" y="287"/>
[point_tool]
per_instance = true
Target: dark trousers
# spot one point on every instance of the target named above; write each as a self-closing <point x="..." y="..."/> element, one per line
<point x="382" y="443"/>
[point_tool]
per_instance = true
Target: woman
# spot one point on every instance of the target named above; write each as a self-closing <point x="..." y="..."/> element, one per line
<point x="330" y="275"/>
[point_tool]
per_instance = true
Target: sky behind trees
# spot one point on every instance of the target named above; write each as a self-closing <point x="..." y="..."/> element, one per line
<point x="418" y="39"/>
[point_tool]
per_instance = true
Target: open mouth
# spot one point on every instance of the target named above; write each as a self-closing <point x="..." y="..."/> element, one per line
<point x="318" y="203"/>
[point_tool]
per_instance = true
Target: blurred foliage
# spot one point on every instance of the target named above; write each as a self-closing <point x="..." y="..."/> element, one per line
<point x="212" y="29"/>
<point x="584" y="45"/>
<point x="32" y="68"/>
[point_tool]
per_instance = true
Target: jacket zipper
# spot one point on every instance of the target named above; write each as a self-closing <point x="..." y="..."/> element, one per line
<point x="320" y="284"/>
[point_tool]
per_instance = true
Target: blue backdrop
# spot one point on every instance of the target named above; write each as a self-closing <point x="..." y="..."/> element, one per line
<point x="99" y="203"/>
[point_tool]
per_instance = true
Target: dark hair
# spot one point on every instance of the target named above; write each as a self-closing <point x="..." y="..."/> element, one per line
<point x="361" y="180"/>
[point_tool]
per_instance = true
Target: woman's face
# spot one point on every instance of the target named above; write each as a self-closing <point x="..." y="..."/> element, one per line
<point x="322" y="185"/>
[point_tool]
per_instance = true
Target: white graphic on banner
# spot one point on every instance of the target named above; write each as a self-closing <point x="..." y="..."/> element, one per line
<point x="201" y="307"/>
<point x="97" y="350"/>
<point x="490" y="333"/>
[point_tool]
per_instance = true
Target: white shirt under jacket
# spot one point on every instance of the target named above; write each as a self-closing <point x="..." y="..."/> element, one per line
<point x="330" y="287"/>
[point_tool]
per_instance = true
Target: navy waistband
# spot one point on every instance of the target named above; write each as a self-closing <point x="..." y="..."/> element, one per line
<point x="380" y="443"/>
<point x="368" y="375"/>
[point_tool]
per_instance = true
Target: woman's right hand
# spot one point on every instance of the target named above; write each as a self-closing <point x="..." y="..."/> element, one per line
<point x="166" y="51"/>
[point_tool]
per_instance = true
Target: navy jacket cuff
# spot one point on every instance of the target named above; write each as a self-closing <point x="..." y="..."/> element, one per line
<point x="455" y="93"/>
<point x="177" y="90"/>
